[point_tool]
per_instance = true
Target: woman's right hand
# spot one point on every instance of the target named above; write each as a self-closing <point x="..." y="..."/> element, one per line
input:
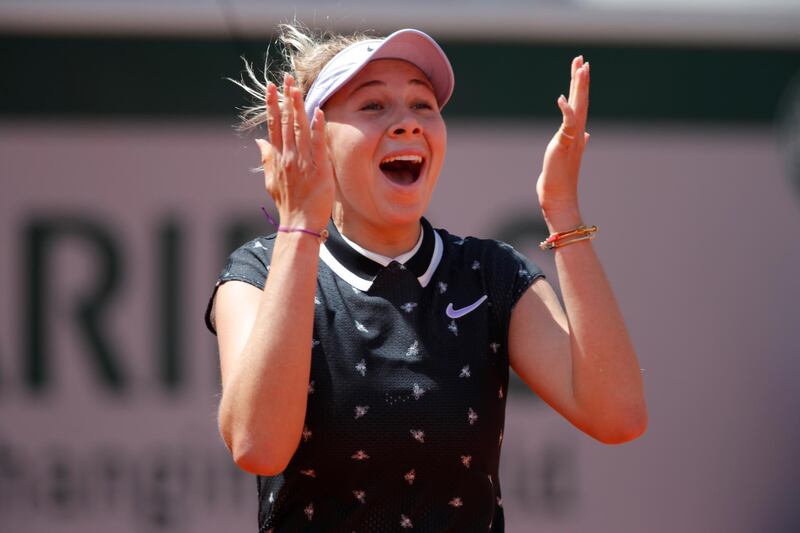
<point x="297" y="170"/>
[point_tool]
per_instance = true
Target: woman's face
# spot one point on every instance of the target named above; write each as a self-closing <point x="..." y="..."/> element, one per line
<point x="387" y="141"/>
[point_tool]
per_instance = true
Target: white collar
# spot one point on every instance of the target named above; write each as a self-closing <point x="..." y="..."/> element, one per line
<point x="382" y="259"/>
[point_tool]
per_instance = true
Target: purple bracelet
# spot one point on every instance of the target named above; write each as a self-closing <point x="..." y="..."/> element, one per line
<point x="322" y="236"/>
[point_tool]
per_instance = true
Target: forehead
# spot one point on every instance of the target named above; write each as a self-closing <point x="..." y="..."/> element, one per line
<point x="393" y="73"/>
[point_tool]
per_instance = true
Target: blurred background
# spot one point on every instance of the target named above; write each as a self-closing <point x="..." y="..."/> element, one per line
<point x="125" y="187"/>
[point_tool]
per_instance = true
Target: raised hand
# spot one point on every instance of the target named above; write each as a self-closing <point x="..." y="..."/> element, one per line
<point x="557" y="186"/>
<point x="297" y="170"/>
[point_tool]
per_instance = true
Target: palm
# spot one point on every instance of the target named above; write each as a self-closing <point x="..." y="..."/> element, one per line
<point x="558" y="182"/>
<point x="297" y="168"/>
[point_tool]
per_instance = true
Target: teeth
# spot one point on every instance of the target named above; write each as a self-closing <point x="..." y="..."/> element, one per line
<point x="411" y="158"/>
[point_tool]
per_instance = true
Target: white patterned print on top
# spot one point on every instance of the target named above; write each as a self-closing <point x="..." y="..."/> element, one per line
<point x="442" y="286"/>
<point x="413" y="350"/>
<point x="360" y="327"/>
<point x="476" y="265"/>
<point x="360" y="455"/>
<point x="410" y="476"/>
<point x="418" y="435"/>
<point x="472" y="416"/>
<point x="361" y="367"/>
<point x="466" y="460"/>
<point x="405" y="522"/>
<point x="309" y="511"/>
<point x="494" y="347"/>
<point x="361" y="410"/>
<point x="465" y="372"/>
<point x="417" y="391"/>
<point x="306" y="433"/>
<point x="408" y="306"/>
<point x="456" y="502"/>
<point x="453" y="328"/>
<point x="360" y="495"/>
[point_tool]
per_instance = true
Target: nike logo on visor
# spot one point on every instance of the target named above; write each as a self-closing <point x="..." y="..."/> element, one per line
<point x="458" y="313"/>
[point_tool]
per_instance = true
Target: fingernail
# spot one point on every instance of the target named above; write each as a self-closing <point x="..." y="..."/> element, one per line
<point x="561" y="98"/>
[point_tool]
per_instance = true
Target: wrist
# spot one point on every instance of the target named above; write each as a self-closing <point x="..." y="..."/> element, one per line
<point x="562" y="218"/>
<point x="298" y="240"/>
<point x="312" y="222"/>
<point x="300" y="225"/>
<point x="322" y="236"/>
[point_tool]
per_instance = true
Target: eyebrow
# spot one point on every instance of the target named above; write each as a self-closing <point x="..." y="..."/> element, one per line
<point x="372" y="83"/>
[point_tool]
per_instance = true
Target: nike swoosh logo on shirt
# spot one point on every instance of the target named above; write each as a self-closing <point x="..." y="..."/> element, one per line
<point x="458" y="313"/>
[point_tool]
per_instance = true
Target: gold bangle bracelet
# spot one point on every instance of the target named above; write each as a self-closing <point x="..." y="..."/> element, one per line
<point x="559" y="239"/>
<point x="562" y="243"/>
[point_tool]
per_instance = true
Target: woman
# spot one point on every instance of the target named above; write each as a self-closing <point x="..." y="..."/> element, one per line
<point x="365" y="355"/>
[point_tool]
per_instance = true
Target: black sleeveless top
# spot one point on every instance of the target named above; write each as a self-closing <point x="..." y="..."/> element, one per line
<point x="407" y="392"/>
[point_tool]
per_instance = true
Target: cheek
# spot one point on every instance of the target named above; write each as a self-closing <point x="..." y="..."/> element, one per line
<point x="438" y="141"/>
<point x="438" y="136"/>
<point x="348" y="147"/>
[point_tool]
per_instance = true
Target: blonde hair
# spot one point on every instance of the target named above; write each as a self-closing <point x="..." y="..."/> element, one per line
<point x="304" y="53"/>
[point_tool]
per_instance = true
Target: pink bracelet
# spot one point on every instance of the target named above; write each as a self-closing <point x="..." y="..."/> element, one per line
<point x="322" y="235"/>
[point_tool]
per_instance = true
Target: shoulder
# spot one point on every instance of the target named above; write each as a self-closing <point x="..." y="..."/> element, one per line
<point x="250" y="261"/>
<point x="489" y="255"/>
<point x="503" y="272"/>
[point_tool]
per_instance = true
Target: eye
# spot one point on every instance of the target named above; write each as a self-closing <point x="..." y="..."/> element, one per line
<point x="371" y="106"/>
<point x="422" y="104"/>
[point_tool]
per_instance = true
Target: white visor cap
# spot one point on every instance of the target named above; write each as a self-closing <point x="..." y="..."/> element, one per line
<point x="414" y="46"/>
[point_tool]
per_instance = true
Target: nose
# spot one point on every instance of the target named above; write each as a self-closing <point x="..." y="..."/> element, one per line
<point x="405" y="125"/>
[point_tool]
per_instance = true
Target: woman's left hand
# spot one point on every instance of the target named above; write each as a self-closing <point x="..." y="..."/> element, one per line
<point x="558" y="183"/>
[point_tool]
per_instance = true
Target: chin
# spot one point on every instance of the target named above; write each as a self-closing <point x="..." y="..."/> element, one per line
<point x="400" y="214"/>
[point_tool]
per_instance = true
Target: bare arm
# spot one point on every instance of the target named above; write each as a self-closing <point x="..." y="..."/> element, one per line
<point x="580" y="362"/>
<point x="265" y="336"/>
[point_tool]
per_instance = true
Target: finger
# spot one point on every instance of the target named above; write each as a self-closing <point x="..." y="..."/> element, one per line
<point x="267" y="162"/>
<point x="273" y="117"/>
<point x="581" y="104"/>
<point x="301" y="132"/>
<point x="567" y="132"/>
<point x="287" y="116"/>
<point x="319" y="144"/>
<point x="577" y="62"/>
<point x="266" y="153"/>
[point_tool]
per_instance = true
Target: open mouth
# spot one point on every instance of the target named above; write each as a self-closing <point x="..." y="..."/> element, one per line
<point x="402" y="169"/>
